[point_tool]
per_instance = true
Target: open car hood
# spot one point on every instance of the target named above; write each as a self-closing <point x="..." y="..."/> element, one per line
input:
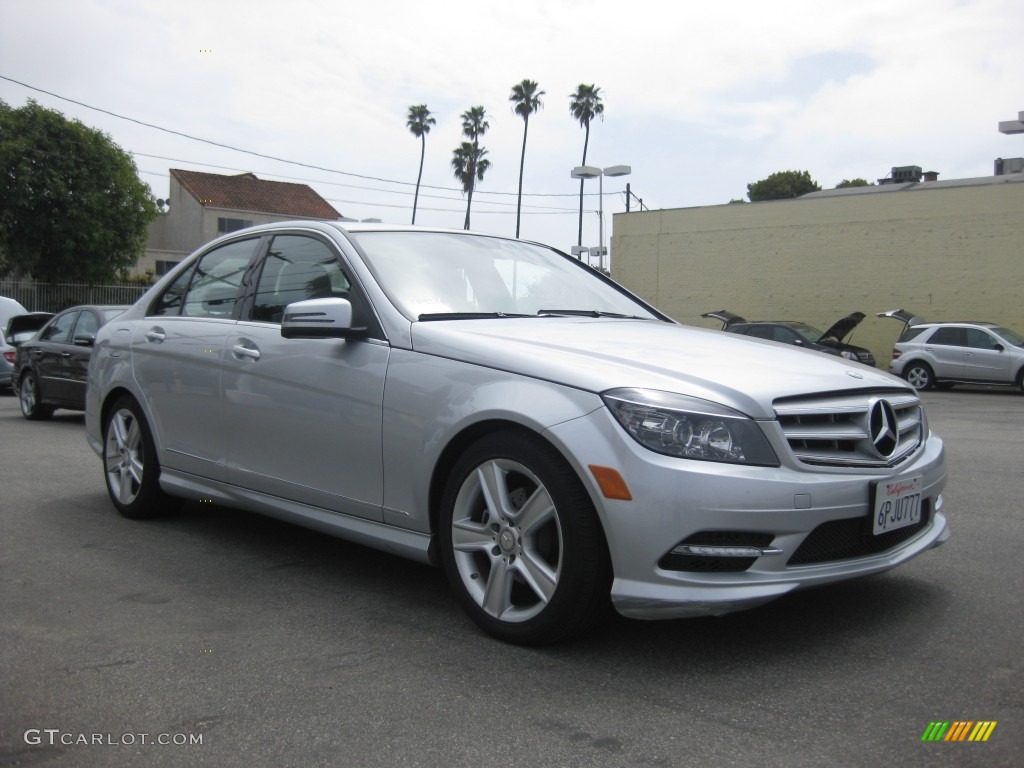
<point x="23" y="327"/>
<point x="842" y="327"/>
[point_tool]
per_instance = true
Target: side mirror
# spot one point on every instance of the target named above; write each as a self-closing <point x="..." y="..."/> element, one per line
<point x="84" y="341"/>
<point x="320" y="319"/>
<point x="999" y="348"/>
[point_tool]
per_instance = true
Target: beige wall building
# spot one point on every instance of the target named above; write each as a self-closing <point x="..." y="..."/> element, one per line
<point x="202" y="206"/>
<point x="947" y="250"/>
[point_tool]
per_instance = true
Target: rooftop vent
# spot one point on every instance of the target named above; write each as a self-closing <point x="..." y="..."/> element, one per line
<point x="1009" y="165"/>
<point x="901" y="174"/>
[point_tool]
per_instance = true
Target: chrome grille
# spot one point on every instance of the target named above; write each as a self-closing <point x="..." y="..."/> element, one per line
<point x="836" y="430"/>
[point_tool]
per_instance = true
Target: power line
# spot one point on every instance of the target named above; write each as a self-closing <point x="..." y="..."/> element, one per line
<point x="337" y="183"/>
<point x="251" y="152"/>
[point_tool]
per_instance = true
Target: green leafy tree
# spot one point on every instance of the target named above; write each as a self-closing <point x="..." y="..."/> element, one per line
<point x="845" y="183"/>
<point x="585" y="104"/>
<point x="781" y="186"/>
<point x="419" y="122"/>
<point x="72" y="208"/>
<point x="469" y="166"/>
<point x="526" y="99"/>
<point x="474" y="125"/>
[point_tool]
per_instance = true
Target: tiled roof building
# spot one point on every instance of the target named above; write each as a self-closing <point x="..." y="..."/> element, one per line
<point x="202" y="206"/>
<point x="248" y="193"/>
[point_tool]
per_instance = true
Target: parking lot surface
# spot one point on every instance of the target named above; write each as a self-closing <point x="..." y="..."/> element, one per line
<point x="219" y="638"/>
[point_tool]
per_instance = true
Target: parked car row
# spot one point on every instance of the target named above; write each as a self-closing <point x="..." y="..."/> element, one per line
<point x="926" y="354"/>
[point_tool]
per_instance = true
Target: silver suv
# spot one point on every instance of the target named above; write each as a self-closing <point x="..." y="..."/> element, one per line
<point x="963" y="352"/>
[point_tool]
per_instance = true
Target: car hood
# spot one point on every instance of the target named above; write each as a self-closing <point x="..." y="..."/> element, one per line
<point x="600" y="354"/>
<point x="842" y="328"/>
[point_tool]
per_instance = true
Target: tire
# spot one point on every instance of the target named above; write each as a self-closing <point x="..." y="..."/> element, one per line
<point x="521" y="543"/>
<point x="919" y="376"/>
<point x="130" y="465"/>
<point x="32" y="407"/>
<point x="1020" y="380"/>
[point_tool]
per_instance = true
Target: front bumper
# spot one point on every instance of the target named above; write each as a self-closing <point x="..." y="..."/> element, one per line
<point x="673" y="499"/>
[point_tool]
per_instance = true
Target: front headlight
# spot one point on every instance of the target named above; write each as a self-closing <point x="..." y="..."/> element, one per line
<point x="689" y="427"/>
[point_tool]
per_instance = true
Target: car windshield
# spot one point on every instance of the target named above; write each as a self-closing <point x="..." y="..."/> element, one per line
<point x="1011" y="336"/>
<point x="437" y="275"/>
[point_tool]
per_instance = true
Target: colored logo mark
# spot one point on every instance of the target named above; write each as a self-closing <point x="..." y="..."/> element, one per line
<point x="959" y="730"/>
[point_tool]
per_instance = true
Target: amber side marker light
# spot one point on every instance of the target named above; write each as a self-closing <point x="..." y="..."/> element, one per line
<point x="610" y="482"/>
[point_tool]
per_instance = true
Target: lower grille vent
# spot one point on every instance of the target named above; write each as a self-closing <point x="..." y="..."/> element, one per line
<point x="852" y="537"/>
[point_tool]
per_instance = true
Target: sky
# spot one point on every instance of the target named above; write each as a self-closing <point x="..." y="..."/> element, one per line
<point x="701" y="98"/>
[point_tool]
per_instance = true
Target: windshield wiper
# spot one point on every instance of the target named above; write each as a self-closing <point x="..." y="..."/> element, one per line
<point x="587" y="313"/>
<point x="466" y="315"/>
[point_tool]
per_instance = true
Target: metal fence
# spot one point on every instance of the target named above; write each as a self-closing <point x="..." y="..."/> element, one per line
<point x="42" y="297"/>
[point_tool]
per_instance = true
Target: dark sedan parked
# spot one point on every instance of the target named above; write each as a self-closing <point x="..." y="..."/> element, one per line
<point x="50" y="368"/>
<point x="800" y="334"/>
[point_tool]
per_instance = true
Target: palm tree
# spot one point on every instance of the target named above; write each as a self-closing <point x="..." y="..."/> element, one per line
<point x="585" y="106"/>
<point x="526" y="98"/>
<point x="419" y="123"/>
<point x="469" y="165"/>
<point x="474" y="125"/>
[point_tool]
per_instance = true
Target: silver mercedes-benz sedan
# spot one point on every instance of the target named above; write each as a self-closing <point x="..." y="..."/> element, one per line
<point x="497" y="408"/>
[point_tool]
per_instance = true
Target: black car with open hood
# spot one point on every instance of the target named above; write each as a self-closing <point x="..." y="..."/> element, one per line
<point x="832" y="341"/>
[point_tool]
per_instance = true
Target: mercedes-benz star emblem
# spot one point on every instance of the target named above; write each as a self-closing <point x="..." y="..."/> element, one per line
<point x="883" y="426"/>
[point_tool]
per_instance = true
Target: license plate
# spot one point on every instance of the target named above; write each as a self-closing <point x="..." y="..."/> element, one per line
<point x="897" y="504"/>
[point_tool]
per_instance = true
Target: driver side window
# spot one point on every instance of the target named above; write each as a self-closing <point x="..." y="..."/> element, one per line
<point x="297" y="268"/>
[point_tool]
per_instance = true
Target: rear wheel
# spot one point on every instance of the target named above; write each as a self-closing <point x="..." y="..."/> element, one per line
<point x="32" y="407"/>
<point x="521" y="543"/>
<point x="130" y="464"/>
<point x="919" y="376"/>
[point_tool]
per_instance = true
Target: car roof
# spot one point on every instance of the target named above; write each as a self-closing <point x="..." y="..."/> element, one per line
<point x="983" y="323"/>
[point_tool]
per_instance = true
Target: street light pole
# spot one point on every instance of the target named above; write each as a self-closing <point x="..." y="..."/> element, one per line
<point x="590" y="172"/>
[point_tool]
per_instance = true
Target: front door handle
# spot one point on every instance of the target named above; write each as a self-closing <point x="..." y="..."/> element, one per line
<point x="240" y="351"/>
<point x="155" y="335"/>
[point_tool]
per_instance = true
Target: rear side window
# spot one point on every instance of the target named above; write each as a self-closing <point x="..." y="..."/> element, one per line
<point x="952" y="337"/>
<point x="759" y="331"/>
<point x="211" y="287"/>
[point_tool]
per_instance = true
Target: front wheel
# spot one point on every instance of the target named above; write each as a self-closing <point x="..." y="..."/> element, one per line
<point x="521" y="542"/>
<point x="32" y="407"/>
<point x="130" y="463"/>
<point x="919" y="376"/>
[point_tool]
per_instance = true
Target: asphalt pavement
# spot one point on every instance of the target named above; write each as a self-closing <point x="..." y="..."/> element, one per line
<point x="220" y="638"/>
